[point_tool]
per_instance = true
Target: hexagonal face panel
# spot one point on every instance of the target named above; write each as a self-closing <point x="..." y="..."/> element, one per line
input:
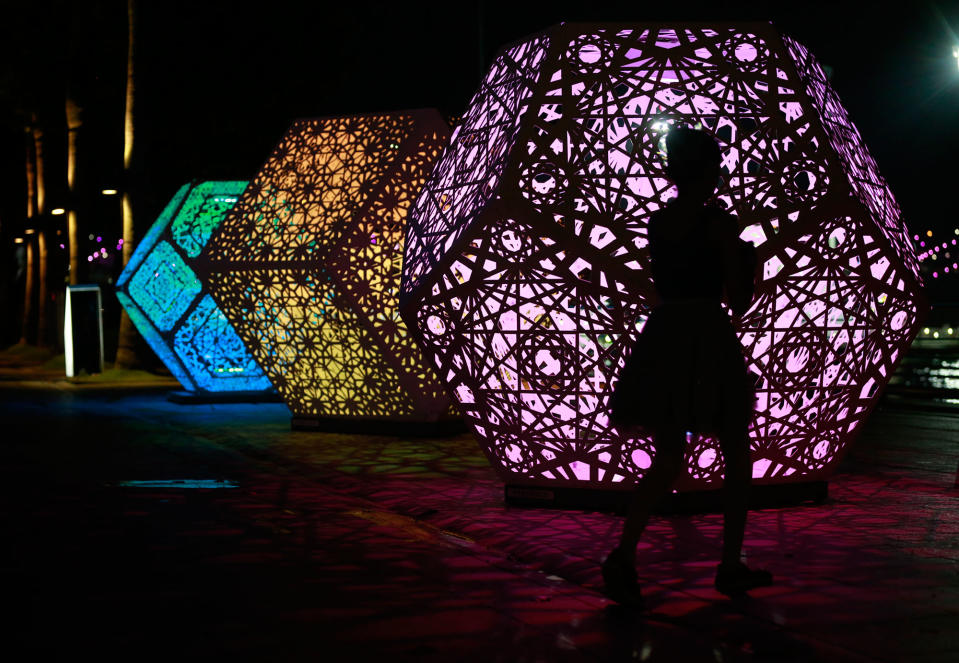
<point x="527" y="271"/>
<point x="169" y="306"/>
<point x="307" y="267"/>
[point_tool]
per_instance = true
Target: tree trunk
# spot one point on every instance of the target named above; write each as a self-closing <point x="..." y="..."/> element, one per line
<point x="27" y="293"/>
<point x="31" y="178"/>
<point x="28" y="240"/>
<point x="43" y="305"/>
<point x="73" y="126"/>
<point x="38" y="153"/>
<point x="126" y="352"/>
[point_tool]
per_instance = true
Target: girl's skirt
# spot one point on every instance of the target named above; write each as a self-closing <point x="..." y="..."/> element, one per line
<point x="686" y="373"/>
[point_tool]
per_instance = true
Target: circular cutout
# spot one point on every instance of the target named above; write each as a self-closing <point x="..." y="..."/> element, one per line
<point x="641" y="459"/>
<point x="589" y="53"/>
<point x="746" y="52"/>
<point x="703" y="460"/>
<point x="706" y="458"/>
<point x="836" y="238"/>
<point x="511" y="241"/>
<point x="547" y="363"/>
<point x="804" y="180"/>
<point x="821" y="450"/>
<point x="543" y="183"/>
<point x="797" y="360"/>
<point x="436" y="325"/>
<point x="898" y="320"/>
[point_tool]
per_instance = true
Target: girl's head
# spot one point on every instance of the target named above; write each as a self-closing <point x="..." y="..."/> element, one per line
<point x="692" y="162"/>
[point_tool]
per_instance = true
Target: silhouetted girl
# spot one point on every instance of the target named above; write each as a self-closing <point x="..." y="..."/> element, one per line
<point x="687" y="372"/>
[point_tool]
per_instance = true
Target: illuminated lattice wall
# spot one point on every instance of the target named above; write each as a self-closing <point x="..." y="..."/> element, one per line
<point x="307" y="266"/>
<point x="527" y="272"/>
<point x="165" y="300"/>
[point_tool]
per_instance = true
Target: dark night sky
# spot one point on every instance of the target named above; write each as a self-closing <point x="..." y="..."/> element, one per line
<point x="219" y="82"/>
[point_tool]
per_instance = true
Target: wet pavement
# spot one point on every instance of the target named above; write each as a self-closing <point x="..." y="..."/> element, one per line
<point x="305" y="546"/>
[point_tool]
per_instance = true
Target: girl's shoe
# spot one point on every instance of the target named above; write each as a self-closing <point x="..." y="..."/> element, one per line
<point x="620" y="578"/>
<point x="736" y="579"/>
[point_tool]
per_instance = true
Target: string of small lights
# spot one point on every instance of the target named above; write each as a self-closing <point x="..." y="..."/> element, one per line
<point x="938" y="252"/>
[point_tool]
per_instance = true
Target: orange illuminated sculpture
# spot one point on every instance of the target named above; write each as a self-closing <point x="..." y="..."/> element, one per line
<point x="307" y="267"/>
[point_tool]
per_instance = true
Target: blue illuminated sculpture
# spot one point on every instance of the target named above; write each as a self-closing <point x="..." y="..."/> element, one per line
<point x="166" y="301"/>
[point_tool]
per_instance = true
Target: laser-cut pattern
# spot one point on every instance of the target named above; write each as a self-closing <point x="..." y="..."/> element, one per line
<point x="528" y="295"/>
<point x="166" y="301"/>
<point x="307" y="266"/>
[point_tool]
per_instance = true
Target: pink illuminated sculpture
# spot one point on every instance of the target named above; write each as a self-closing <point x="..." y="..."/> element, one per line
<point x="526" y="273"/>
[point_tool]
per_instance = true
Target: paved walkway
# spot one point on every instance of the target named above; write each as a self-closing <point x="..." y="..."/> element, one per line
<point x="352" y="547"/>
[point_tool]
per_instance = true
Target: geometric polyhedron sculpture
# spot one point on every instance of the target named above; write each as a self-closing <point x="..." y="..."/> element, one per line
<point x="307" y="267"/>
<point x="166" y="302"/>
<point x="526" y="276"/>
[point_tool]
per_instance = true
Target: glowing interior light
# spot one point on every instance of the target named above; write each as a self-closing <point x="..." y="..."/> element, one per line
<point x="29" y="231"/>
<point x="87" y="326"/>
<point x="109" y="192"/>
<point x="165" y="300"/>
<point x="527" y="248"/>
<point x="18" y="240"/>
<point x="955" y="54"/>
<point x="58" y="211"/>
<point x="935" y="334"/>
<point x="925" y="330"/>
<point x="294" y="268"/>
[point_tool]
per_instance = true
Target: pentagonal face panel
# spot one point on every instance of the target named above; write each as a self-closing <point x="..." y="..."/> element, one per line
<point x="307" y="266"/>
<point x="825" y="335"/>
<point x="166" y="301"/>
<point x="530" y="299"/>
<point x="470" y="169"/>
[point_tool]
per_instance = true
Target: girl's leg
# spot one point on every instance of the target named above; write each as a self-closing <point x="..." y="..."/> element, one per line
<point x="734" y="578"/>
<point x="735" y="447"/>
<point x="666" y="465"/>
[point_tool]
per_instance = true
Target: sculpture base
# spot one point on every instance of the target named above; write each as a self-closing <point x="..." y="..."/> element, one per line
<point x="208" y="397"/>
<point x="704" y="501"/>
<point x="401" y="427"/>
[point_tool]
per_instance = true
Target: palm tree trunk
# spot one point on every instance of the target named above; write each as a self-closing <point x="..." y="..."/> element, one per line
<point x="43" y="305"/>
<point x="27" y="293"/>
<point x="42" y="254"/>
<point x="126" y="353"/>
<point x="38" y="153"/>
<point x="73" y="126"/>
<point x="28" y="241"/>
